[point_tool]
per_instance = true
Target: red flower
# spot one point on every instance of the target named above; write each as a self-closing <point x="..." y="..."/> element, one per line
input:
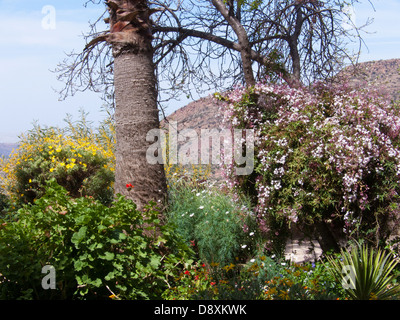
<point x="193" y="243"/>
<point x="129" y="186"/>
<point x="196" y="278"/>
<point x="213" y="283"/>
<point x="187" y="272"/>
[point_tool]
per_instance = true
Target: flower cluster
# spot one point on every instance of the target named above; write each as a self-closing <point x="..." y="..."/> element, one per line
<point x="263" y="277"/>
<point x="81" y="162"/>
<point x="322" y="152"/>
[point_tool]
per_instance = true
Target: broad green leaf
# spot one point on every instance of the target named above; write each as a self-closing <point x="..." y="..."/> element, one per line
<point x="77" y="237"/>
<point x="107" y="256"/>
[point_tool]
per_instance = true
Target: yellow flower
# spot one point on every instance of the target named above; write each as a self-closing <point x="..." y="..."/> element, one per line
<point x="230" y="267"/>
<point x="62" y="164"/>
<point x="58" y="149"/>
<point x="30" y="180"/>
<point x="52" y="169"/>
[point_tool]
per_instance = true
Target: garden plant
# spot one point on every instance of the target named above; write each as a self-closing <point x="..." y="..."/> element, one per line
<point x="326" y="160"/>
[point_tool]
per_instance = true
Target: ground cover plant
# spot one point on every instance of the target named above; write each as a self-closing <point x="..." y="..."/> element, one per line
<point x="97" y="251"/>
<point x="222" y="230"/>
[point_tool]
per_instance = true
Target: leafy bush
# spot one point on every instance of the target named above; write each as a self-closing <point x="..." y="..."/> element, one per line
<point x="371" y="275"/>
<point x="221" y="229"/>
<point x="262" y="278"/>
<point x="97" y="251"/>
<point x="4" y="203"/>
<point x="80" y="159"/>
<point x="325" y="155"/>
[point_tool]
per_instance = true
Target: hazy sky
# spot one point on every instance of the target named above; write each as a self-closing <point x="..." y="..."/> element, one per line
<point x="32" y="45"/>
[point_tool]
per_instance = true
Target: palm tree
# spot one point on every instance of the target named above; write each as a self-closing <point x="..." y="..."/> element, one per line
<point x="136" y="111"/>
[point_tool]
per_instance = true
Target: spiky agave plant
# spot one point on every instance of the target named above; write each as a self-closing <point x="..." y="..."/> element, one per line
<point x="370" y="274"/>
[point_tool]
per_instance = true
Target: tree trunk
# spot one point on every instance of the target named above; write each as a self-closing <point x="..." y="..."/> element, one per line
<point x="136" y="111"/>
<point x="325" y="238"/>
<point x="136" y="114"/>
<point x="294" y="50"/>
<point x="245" y="48"/>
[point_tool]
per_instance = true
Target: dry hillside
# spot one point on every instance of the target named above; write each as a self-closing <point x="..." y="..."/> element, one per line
<point x="384" y="74"/>
<point x="205" y="113"/>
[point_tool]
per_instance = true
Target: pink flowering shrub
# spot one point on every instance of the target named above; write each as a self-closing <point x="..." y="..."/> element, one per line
<point x="323" y="154"/>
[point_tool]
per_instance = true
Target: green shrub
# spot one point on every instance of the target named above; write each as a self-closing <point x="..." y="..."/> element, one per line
<point x="221" y="229"/>
<point x="262" y="278"/>
<point x="326" y="158"/>
<point x="371" y="275"/>
<point x="97" y="251"/>
<point x="79" y="157"/>
<point x="4" y="202"/>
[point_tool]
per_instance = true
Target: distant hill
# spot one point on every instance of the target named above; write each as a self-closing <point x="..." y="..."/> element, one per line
<point x="200" y="114"/>
<point x="382" y="74"/>
<point x="205" y="113"/>
<point x="7" y="148"/>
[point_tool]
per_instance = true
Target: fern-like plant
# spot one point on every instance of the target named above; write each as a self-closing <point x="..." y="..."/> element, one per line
<point x="370" y="273"/>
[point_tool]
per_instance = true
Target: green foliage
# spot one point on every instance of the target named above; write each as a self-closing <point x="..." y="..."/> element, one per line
<point x="322" y="154"/>
<point x="97" y="251"/>
<point x="4" y="202"/>
<point x="262" y="278"/>
<point x="80" y="158"/>
<point x="221" y="229"/>
<point x="372" y="271"/>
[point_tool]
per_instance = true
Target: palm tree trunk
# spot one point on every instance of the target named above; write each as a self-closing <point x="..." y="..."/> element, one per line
<point x="136" y="111"/>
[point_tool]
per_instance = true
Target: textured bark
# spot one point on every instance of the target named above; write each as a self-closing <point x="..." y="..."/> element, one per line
<point x="325" y="238"/>
<point x="136" y="111"/>
<point x="244" y="44"/>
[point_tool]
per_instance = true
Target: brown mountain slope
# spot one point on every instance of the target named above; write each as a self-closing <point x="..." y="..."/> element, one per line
<point x="201" y="114"/>
<point x="384" y="74"/>
<point x="205" y="113"/>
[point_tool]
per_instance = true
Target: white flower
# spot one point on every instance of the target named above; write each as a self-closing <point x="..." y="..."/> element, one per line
<point x="252" y="260"/>
<point x="251" y="234"/>
<point x="191" y="215"/>
<point x="198" y="194"/>
<point x="201" y="207"/>
<point x="244" y="246"/>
